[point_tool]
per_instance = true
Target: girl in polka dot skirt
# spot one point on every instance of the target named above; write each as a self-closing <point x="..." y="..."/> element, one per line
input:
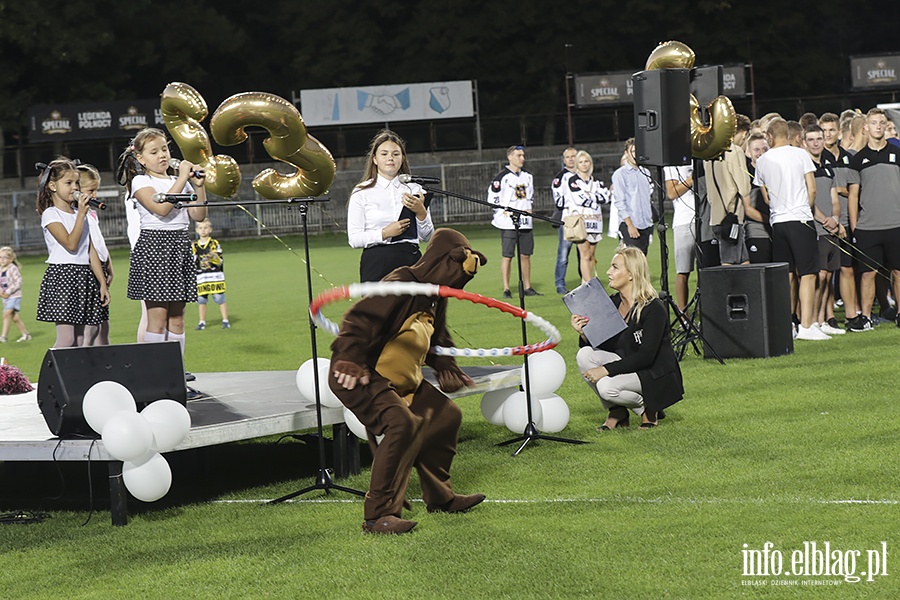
<point x="73" y="289"/>
<point x="162" y="268"/>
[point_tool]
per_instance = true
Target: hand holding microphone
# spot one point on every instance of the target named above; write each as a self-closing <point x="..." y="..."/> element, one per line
<point x="91" y="200"/>
<point x="175" y="163"/>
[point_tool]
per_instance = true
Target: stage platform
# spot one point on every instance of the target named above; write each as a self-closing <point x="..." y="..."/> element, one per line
<point x="235" y="406"/>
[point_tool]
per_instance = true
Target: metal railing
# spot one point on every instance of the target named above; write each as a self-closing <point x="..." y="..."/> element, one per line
<point x="20" y="225"/>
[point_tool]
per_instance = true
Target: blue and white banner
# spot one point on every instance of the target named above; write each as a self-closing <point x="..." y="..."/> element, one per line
<point x="384" y="103"/>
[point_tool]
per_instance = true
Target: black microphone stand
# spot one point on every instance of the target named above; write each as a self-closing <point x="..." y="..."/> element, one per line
<point x="324" y="478"/>
<point x="531" y="431"/>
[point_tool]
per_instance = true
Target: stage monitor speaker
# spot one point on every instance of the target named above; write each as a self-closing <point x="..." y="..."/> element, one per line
<point x="745" y="311"/>
<point x="151" y="372"/>
<point x="662" y="117"/>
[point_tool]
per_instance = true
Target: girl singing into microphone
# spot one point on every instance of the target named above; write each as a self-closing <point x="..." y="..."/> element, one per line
<point x="161" y="272"/>
<point x="73" y="289"/>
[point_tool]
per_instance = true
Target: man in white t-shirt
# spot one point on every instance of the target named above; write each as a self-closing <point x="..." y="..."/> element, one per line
<point x="680" y="190"/>
<point x="785" y="176"/>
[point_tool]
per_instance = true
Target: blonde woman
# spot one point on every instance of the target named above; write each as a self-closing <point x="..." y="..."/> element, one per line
<point x="583" y="196"/>
<point x="636" y="369"/>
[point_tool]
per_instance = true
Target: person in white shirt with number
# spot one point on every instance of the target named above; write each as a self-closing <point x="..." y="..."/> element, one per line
<point x="513" y="187"/>
<point x="583" y="196"/>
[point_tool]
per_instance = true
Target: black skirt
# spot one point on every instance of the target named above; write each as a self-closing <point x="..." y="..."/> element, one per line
<point x="162" y="267"/>
<point x="69" y="294"/>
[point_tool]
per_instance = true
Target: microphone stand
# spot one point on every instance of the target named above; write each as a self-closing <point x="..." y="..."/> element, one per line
<point x="531" y="431"/>
<point x="324" y="479"/>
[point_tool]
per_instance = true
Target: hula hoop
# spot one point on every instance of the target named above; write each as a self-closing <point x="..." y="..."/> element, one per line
<point x="405" y="288"/>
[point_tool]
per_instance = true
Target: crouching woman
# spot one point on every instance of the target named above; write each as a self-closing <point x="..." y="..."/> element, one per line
<point x="636" y="369"/>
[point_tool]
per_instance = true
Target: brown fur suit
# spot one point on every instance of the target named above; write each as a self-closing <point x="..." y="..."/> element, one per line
<point x="420" y="425"/>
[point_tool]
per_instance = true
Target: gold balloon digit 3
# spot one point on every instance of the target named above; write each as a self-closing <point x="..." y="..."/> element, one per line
<point x="288" y="142"/>
<point x="182" y="110"/>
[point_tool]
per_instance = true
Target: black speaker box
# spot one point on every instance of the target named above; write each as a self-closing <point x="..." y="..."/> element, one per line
<point x="707" y="84"/>
<point x="662" y="117"/>
<point x="745" y="311"/>
<point x="151" y="372"/>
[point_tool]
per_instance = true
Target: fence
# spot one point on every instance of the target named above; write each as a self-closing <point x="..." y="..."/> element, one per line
<point x="20" y="225"/>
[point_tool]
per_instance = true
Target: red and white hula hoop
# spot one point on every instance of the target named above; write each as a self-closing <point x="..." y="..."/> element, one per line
<point x="404" y="288"/>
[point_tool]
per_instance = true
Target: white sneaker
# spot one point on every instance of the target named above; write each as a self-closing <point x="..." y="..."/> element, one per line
<point x="811" y="333"/>
<point x="826" y="328"/>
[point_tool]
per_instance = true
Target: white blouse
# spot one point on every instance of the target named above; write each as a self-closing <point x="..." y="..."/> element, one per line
<point x="372" y="209"/>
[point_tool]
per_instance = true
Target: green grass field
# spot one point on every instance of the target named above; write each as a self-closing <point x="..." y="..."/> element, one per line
<point x="789" y="450"/>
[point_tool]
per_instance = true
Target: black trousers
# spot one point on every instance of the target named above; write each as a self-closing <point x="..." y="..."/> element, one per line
<point x="378" y="261"/>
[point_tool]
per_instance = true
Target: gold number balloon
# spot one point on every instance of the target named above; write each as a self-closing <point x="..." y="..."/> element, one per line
<point x="713" y="140"/>
<point x="182" y="110"/>
<point x="288" y="142"/>
<point x="707" y="141"/>
<point x="671" y="55"/>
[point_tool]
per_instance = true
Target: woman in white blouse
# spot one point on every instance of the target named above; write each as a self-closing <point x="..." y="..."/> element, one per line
<point x="583" y="196"/>
<point x="385" y="217"/>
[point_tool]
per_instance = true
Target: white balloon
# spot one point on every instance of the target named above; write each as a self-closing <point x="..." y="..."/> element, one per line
<point x="547" y="370"/>
<point x="555" y="414"/>
<point x="306" y="384"/>
<point x="148" y="481"/>
<point x="170" y="422"/>
<point x="103" y="400"/>
<point x="356" y="426"/>
<point x="515" y="412"/>
<point x="127" y="436"/>
<point x="492" y="404"/>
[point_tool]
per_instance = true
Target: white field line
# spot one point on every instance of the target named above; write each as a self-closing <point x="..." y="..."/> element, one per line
<point x="627" y="500"/>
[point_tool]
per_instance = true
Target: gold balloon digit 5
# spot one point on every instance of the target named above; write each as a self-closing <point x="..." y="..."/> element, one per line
<point x="182" y="110"/>
<point x="707" y="141"/>
<point x="288" y="142"/>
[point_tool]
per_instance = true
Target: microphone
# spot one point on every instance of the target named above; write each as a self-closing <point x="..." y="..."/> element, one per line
<point x="176" y="162"/>
<point x="173" y="198"/>
<point x="406" y="178"/>
<point x="92" y="201"/>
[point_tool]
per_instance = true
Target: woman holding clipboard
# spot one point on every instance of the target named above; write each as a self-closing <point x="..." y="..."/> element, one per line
<point x="635" y="369"/>
<point x="385" y="217"/>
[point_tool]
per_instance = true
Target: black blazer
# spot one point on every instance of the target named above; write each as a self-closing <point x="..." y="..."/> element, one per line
<point x="646" y="349"/>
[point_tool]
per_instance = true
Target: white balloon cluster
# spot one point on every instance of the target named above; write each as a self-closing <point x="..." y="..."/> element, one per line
<point x="307" y="387"/>
<point x="550" y="413"/>
<point x="137" y="439"/>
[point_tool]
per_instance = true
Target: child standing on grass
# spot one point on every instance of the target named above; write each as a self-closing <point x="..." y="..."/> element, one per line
<point x="162" y="269"/>
<point x="210" y="273"/>
<point x="90" y="182"/>
<point x="73" y="289"/>
<point x="11" y="292"/>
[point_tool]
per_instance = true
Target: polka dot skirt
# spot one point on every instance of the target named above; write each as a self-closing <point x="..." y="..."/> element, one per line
<point x="162" y="267"/>
<point x="69" y="294"/>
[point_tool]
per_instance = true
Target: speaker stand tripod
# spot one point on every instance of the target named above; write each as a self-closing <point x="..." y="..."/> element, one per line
<point x="687" y="324"/>
<point x="531" y="432"/>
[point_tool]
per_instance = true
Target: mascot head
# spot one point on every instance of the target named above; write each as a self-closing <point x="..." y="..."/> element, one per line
<point x="449" y="260"/>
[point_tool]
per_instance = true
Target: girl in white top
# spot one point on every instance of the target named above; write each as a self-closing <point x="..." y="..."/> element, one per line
<point x="583" y="196"/>
<point x="374" y="220"/>
<point x="73" y="289"/>
<point x="161" y="272"/>
<point x="96" y="335"/>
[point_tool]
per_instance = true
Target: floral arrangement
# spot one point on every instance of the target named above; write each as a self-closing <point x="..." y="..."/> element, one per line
<point x="13" y="381"/>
